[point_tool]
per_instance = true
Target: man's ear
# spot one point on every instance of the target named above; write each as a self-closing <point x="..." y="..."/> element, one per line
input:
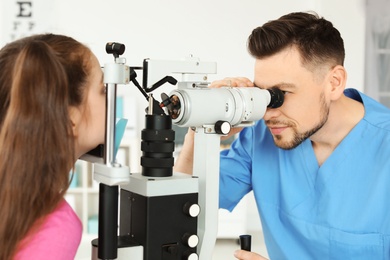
<point x="337" y="80"/>
<point x="75" y="116"/>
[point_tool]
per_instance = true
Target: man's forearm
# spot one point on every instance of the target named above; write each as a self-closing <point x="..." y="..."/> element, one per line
<point x="185" y="161"/>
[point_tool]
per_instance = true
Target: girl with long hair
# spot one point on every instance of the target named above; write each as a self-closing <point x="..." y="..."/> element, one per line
<point x="52" y="110"/>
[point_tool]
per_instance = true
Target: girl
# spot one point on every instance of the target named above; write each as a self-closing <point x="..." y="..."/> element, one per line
<point x="52" y="111"/>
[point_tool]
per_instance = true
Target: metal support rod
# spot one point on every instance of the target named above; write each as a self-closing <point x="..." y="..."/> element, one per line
<point x="109" y="152"/>
<point x="108" y="222"/>
<point x="108" y="195"/>
<point x="206" y="167"/>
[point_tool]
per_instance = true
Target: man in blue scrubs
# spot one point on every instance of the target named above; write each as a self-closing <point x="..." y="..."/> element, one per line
<point x="319" y="165"/>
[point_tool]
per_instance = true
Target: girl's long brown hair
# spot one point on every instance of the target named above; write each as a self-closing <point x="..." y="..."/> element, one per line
<point x="40" y="78"/>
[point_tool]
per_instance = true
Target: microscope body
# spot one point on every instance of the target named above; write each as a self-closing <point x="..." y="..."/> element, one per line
<point x="159" y="209"/>
<point x="158" y="214"/>
<point x="165" y="215"/>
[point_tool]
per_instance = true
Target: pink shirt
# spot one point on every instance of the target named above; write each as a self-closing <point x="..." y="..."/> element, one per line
<point x="58" y="238"/>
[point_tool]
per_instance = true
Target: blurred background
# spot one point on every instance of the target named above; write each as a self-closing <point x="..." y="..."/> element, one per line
<point x="215" y="31"/>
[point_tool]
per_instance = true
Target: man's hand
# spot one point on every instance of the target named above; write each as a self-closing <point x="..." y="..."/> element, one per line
<point x="232" y="82"/>
<point x="184" y="162"/>
<point x="246" y="255"/>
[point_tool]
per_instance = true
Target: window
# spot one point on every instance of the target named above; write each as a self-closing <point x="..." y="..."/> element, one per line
<point x="377" y="71"/>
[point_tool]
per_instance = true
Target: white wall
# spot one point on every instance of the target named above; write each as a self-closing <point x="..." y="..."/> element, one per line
<point x="172" y="29"/>
<point x="213" y="30"/>
<point x="348" y="17"/>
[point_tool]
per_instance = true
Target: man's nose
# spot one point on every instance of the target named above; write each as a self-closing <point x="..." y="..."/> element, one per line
<point x="271" y="113"/>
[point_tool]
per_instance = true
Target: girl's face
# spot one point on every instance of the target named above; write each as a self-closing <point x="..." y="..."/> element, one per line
<point x="89" y="128"/>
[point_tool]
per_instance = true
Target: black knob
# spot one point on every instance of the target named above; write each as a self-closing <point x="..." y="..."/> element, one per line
<point x="245" y="242"/>
<point x="115" y="48"/>
<point x="222" y="127"/>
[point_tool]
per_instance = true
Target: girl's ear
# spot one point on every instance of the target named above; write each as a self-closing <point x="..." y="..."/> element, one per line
<point x="75" y="117"/>
<point x="337" y="79"/>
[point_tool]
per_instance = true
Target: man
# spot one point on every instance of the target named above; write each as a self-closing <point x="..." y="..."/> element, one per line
<point x="319" y="165"/>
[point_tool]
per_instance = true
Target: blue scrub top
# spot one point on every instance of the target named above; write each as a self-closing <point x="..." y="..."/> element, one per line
<point x="336" y="211"/>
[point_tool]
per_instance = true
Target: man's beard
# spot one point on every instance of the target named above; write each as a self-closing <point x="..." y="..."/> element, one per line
<point x="298" y="138"/>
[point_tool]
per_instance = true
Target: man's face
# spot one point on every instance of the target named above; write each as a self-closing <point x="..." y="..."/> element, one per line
<point x="305" y="109"/>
